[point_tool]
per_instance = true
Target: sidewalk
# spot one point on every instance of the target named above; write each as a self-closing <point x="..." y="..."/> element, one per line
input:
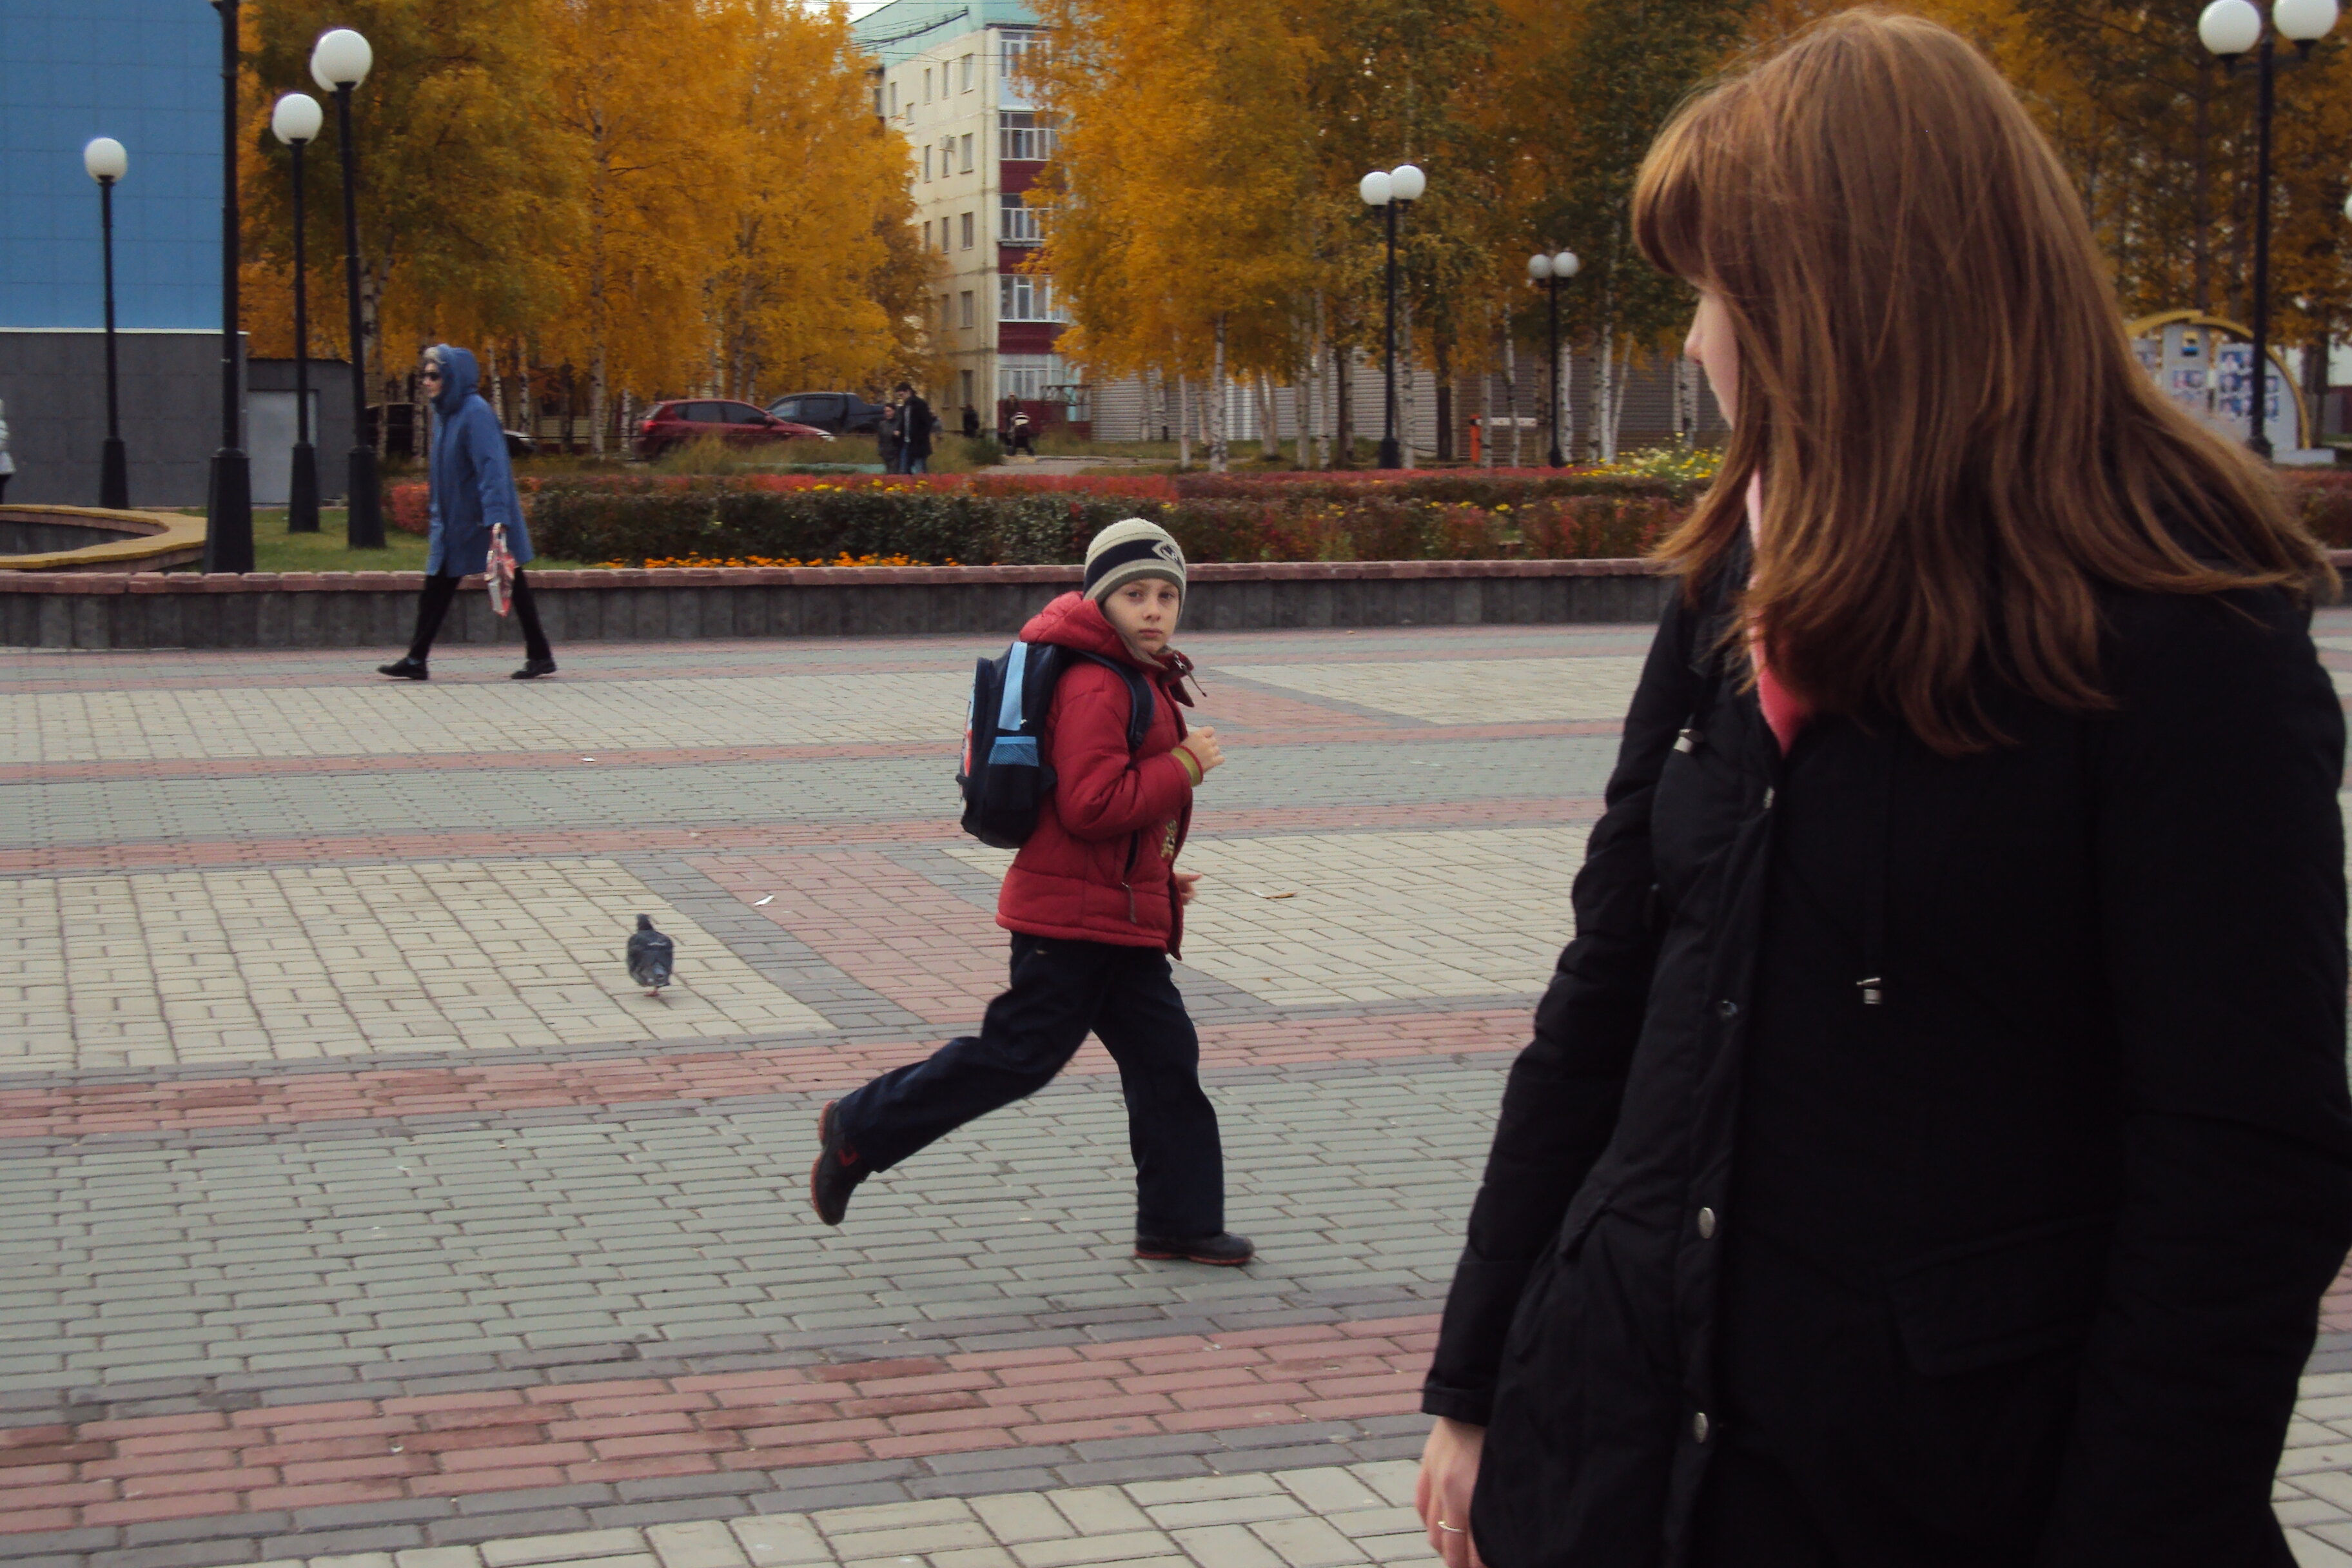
<point x="361" y="1211"/>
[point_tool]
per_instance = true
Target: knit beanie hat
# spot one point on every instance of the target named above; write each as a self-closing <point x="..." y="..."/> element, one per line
<point x="1129" y="549"/>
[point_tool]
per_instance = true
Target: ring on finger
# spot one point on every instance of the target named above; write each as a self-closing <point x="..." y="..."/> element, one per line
<point x="1450" y="1529"/>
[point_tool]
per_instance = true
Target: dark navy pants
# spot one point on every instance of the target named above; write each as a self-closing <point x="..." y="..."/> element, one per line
<point x="1062" y="989"/>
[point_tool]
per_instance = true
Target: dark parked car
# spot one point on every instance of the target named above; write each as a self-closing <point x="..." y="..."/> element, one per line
<point x="675" y="423"/>
<point x="843" y="413"/>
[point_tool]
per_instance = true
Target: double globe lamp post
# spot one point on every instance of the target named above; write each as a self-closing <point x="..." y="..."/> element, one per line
<point x="105" y="161"/>
<point x="1392" y="191"/>
<point x="295" y="122"/>
<point x="1552" y="270"/>
<point x="2232" y="29"/>
<point x="338" y="63"/>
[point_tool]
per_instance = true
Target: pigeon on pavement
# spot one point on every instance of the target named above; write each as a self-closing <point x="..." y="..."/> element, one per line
<point x="650" y="957"/>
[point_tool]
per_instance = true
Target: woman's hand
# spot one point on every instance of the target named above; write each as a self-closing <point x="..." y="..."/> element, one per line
<point x="1187" y="887"/>
<point x="1449" y="1469"/>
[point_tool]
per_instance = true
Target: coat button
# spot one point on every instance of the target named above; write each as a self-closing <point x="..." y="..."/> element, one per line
<point x="1706" y="1224"/>
<point x="1726" y="1008"/>
<point x="1698" y="1427"/>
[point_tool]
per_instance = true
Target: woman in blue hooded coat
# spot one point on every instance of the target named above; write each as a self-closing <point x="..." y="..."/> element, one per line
<point x="473" y="490"/>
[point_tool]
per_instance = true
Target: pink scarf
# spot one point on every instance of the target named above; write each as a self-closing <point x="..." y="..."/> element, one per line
<point x="1782" y="711"/>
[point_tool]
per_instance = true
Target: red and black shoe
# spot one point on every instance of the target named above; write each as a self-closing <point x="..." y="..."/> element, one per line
<point x="1224" y="1249"/>
<point x="836" y="1172"/>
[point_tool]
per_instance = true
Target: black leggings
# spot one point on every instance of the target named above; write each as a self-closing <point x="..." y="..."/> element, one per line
<point x="435" y="603"/>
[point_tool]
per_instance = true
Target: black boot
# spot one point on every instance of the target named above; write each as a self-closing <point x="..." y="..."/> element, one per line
<point x="836" y="1172"/>
<point x="408" y="668"/>
<point x="1224" y="1249"/>
<point x="532" y="669"/>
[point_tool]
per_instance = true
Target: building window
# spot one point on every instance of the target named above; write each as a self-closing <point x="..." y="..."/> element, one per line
<point x="964" y="315"/>
<point x="1018" y="47"/>
<point x="1024" y="135"/>
<point x="1025" y="376"/>
<point x="1021" y="223"/>
<point x="966" y="63"/>
<point x="946" y="157"/>
<point x="894" y="99"/>
<point x="943" y="236"/>
<point x="966" y="231"/>
<point x="1023" y="297"/>
<point x="877" y="98"/>
<point x="926" y="235"/>
<point x="965" y="376"/>
<point x="926" y="86"/>
<point x="967" y="153"/>
<point x="927" y="162"/>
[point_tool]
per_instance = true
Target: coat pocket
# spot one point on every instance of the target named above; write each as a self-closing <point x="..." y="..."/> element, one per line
<point x="2003" y="1299"/>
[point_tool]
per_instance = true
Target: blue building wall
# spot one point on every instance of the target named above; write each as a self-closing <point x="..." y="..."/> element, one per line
<point x="147" y="73"/>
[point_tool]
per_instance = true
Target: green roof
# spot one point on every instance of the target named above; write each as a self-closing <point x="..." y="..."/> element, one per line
<point x="905" y="29"/>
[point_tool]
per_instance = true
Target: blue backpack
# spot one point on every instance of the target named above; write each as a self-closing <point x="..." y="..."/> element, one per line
<point x="1004" y="775"/>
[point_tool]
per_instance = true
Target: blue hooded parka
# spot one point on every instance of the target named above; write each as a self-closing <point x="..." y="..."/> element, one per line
<point x="473" y="487"/>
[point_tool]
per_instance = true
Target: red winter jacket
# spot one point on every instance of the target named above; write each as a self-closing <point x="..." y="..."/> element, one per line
<point x="1097" y="866"/>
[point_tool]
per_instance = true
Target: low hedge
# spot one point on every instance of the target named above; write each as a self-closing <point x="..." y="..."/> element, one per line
<point x="1017" y="518"/>
<point x="721" y="519"/>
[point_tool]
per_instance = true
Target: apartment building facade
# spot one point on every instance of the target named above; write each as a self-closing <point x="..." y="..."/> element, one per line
<point x="948" y="79"/>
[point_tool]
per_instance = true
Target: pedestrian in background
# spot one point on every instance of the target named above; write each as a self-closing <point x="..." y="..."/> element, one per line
<point x="472" y="490"/>
<point x="1025" y="434"/>
<point x="1096" y="907"/>
<point x="916" y="424"/>
<point x="1935" y="1142"/>
<point x="7" y="463"/>
<point x="971" y="423"/>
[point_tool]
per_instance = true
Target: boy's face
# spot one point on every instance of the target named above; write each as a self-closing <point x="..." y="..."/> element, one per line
<point x="1145" y="612"/>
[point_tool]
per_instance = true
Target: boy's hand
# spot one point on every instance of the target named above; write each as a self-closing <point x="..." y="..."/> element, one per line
<point x="1206" y="753"/>
<point x="1187" y="887"/>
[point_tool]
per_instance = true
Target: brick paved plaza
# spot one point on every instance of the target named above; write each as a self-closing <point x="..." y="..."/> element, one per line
<point x="360" y="1210"/>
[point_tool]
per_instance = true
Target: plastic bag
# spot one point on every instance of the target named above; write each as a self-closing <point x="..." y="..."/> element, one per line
<point x="498" y="573"/>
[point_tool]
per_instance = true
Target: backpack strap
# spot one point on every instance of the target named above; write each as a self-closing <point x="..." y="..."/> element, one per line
<point x="1141" y="709"/>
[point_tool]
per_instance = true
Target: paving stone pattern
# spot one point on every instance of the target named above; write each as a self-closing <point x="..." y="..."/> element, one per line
<point x="363" y="1213"/>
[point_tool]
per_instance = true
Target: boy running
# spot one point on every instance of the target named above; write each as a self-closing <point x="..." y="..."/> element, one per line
<point x="1095" y="904"/>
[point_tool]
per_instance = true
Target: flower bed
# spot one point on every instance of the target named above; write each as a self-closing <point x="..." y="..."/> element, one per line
<point x="1022" y="519"/>
<point x="721" y="521"/>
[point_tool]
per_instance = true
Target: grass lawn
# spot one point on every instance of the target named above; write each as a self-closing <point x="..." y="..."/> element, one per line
<point x="275" y="549"/>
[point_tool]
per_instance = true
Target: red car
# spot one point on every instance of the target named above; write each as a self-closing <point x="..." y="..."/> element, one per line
<point x="672" y="424"/>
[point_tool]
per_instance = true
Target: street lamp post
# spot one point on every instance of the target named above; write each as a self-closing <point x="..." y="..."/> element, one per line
<point x="2231" y="28"/>
<point x="105" y="162"/>
<point x="228" y="519"/>
<point x="338" y="63"/>
<point x="1552" y="271"/>
<point x="295" y="122"/>
<point x="1392" y="191"/>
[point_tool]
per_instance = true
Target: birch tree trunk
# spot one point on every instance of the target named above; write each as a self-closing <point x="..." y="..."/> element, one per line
<point x="1604" y="389"/>
<point x="1220" y="400"/>
<point x="1616" y="410"/>
<point x="1568" y="401"/>
<point x="1511" y="390"/>
<point x="1343" y="411"/>
<point x="1272" y="434"/>
<point x="1486" y="418"/>
<point x="1183" y="425"/>
<point x="598" y="392"/>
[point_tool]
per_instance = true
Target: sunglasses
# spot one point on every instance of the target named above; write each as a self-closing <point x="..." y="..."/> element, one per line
<point x="428" y="375"/>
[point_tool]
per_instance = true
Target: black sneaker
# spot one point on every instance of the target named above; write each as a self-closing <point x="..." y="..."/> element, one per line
<point x="405" y="669"/>
<point x="532" y="669"/>
<point x="836" y="1172"/>
<point x="1224" y="1249"/>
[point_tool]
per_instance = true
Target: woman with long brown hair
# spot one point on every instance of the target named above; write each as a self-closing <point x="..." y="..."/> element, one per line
<point x="1935" y="1141"/>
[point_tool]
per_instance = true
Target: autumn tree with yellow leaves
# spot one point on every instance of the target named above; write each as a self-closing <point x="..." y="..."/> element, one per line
<point x="603" y="199"/>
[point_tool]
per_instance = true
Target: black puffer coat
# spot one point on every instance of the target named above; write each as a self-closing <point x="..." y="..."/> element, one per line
<point x="1966" y="1140"/>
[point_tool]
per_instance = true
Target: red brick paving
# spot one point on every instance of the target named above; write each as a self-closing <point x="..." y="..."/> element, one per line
<point x="69" y="1476"/>
<point x="191" y="1105"/>
<point x="327" y="849"/>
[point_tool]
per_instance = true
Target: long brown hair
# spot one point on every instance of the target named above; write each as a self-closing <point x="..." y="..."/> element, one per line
<point x="1958" y="442"/>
